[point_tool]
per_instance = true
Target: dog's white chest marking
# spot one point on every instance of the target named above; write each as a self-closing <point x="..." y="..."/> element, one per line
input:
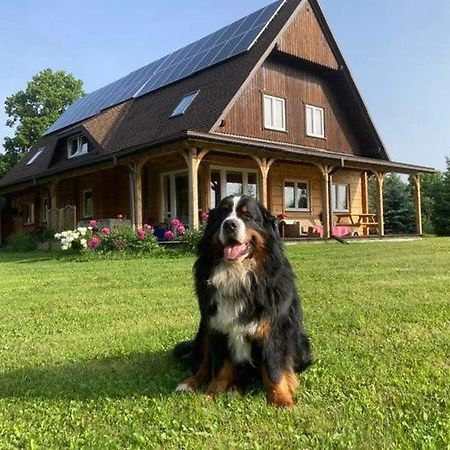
<point x="231" y="280"/>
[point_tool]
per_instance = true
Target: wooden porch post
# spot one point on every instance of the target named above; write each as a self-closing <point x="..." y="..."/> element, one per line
<point x="365" y="198"/>
<point x="53" y="188"/>
<point x="326" y="200"/>
<point x="264" y="167"/>
<point x="418" y="199"/>
<point x="380" y="203"/>
<point x="136" y="206"/>
<point x="193" y="159"/>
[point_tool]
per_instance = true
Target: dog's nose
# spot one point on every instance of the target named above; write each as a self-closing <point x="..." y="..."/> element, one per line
<point x="230" y="226"/>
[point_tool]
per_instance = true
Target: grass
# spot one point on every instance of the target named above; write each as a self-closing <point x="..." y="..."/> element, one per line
<point x="85" y="354"/>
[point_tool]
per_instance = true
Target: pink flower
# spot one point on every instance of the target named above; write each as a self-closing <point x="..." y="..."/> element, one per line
<point x="120" y="216"/>
<point x="94" y="242"/>
<point x="106" y="230"/>
<point x="176" y="223"/>
<point x="205" y="216"/>
<point x="148" y="228"/>
<point x="181" y="230"/>
<point x="169" y="235"/>
<point x="93" y="223"/>
<point x="141" y="234"/>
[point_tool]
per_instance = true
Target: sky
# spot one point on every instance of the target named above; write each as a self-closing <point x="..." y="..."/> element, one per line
<point x="398" y="52"/>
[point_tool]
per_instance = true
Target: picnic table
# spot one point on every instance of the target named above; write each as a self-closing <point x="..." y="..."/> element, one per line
<point x="364" y="221"/>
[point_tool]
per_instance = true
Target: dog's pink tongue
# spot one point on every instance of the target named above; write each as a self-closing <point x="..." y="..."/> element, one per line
<point x="231" y="252"/>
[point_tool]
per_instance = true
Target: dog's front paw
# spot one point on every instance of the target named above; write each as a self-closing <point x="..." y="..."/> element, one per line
<point x="184" y="387"/>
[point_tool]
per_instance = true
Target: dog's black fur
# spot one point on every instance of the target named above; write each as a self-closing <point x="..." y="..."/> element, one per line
<point x="272" y="300"/>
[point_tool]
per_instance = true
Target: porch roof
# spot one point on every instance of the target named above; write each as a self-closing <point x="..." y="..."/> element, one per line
<point x="276" y="150"/>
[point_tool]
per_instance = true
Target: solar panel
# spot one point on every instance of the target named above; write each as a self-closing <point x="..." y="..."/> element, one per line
<point x="215" y="48"/>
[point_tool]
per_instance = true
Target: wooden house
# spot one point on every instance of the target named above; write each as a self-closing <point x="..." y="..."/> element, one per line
<point x="265" y="106"/>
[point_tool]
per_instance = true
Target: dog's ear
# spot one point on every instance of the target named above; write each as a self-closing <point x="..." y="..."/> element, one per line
<point x="270" y="222"/>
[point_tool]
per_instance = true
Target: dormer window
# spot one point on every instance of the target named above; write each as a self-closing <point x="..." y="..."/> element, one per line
<point x="77" y="146"/>
<point x="274" y="113"/>
<point x="184" y="104"/>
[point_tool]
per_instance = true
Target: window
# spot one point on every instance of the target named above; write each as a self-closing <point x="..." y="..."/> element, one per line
<point x="315" y="121"/>
<point x="44" y="209"/>
<point x="184" y="104"/>
<point x="227" y="181"/>
<point x="77" y="146"/>
<point x="35" y="156"/>
<point x="296" y="196"/>
<point x="274" y="113"/>
<point x="340" y="197"/>
<point x="27" y="213"/>
<point x="88" y="204"/>
<point x="175" y="199"/>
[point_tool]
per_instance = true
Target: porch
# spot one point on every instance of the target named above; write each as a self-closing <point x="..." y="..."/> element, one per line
<point x="313" y="194"/>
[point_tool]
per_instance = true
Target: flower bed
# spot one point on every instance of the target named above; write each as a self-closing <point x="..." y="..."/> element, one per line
<point x="125" y="238"/>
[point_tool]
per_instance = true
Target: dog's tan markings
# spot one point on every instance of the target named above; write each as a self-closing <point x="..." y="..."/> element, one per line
<point x="262" y="331"/>
<point x="280" y="394"/>
<point x="223" y="381"/>
<point x="259" y="247"/>
<point x="203" y="372"/>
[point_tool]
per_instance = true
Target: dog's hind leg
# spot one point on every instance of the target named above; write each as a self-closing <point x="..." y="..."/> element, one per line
<point x="203" y="371"/>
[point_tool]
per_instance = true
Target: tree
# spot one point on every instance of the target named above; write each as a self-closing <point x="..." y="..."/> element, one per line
<point x="440" y="216"/>
<point x="398" y="206"/>
<point x="32" y="111"/>
<point x="431" y="185"/>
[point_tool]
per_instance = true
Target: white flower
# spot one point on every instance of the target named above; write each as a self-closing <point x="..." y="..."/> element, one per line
<point x="82" y="231"/>
<point x="83" y="242"/>
<point x="90" y="228"/>
<point x="64" y="247"/>
<point x="58" y="236"/>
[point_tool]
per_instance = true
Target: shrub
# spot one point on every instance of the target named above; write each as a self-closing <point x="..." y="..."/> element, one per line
<point x="22" y="242"/>
<point x="123" y="238"/>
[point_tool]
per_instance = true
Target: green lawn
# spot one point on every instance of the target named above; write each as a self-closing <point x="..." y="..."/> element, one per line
<point x="85" y="354"/>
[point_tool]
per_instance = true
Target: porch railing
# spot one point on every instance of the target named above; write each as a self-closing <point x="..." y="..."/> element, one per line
<point x="61" y="219"/>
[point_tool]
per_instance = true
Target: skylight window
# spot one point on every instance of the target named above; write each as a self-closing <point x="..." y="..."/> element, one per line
<point x="184" y="104"/>
<point x="35" y="156"/>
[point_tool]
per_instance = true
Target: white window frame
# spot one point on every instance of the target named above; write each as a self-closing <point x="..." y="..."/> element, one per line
<point x="314" y="109"/>
<point x="87" y="216"/>
<point x="334" y="187"/>
<point x="296" y="182"/>
<point x="81" y="149"/>
<point x="31" y="217"/>
<point x="272" y="126"/>
<point x="223" y="180"/>
<point x="165" y="213"/>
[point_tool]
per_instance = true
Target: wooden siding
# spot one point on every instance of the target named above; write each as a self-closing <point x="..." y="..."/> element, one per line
<point x="299" y="87"/>
<point x="305" y="39"/>
<point x="110" y="192"/>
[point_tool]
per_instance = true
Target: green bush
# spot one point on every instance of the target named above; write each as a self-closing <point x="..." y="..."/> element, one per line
<point x="22" y="242"/>
<point x="192" y="238"/>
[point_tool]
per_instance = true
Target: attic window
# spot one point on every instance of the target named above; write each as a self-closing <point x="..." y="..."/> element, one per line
<point x="77" y="146"/>
<point x="35" y="156"/>
<point x="184" y="104"/>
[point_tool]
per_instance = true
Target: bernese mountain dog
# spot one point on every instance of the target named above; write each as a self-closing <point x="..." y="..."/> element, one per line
<point x="251" y="325"/>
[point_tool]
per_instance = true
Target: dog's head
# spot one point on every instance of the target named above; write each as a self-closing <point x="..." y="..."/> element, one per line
<point x="239" y="228"/>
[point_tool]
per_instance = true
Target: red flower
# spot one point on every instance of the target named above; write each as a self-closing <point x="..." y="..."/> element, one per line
<point x="205" y="216"/>
<point x="94" y="242"/>
<point x="120" y="216"/>
<point x="93" y="223"/>
<point x="169" y="235"/>
<point x="141" y="234"/>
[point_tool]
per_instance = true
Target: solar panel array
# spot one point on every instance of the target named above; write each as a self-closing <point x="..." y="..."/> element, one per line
<point x="215" y="48"/>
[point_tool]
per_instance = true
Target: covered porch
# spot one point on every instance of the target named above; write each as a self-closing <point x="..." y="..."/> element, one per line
<point x="314" y="194"/>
